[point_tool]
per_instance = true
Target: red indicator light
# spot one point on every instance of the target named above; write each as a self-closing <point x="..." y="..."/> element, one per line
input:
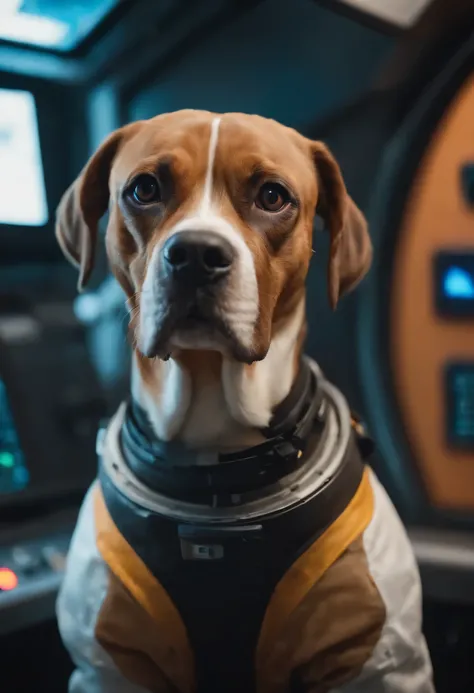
<point x="8" y="580"/>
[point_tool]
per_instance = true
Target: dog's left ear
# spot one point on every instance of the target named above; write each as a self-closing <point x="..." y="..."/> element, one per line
<point x="351" y="248"/>
<point x="84" y="203"/>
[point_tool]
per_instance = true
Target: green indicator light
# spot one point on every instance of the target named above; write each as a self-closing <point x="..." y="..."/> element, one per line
<point x="7" y="460"/>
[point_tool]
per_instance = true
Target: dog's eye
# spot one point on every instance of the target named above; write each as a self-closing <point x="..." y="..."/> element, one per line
<point x="272" y="197"/>
<point x="145" y="190"/>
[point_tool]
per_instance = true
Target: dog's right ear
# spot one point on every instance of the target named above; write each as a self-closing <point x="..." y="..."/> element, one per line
<point x="350" y="252"/>
<point x="84" y="203"/>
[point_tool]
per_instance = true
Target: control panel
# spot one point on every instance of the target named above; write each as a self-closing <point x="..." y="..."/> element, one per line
<point x="50" y="406"/>
<point x="459" y="385"/>
<point x="31" y="571"/>
<point x="51" y="403"/>
<point x="14" y="474"/>
<point x="24" y="563"/>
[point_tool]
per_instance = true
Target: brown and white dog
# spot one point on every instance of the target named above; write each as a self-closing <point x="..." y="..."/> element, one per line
<point x="210" y="236"/>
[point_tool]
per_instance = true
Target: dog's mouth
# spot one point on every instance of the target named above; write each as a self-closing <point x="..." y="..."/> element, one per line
<point x="196" y="317"/>
<point x="192" y="324"/>
<point x="202" y="320"/>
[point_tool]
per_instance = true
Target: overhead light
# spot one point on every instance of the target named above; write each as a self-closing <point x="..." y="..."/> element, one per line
<point x="31" y="28"/>
<point x="58" y="24"/>
<point x="403" y="13"/>
<point x="9" y="7"/>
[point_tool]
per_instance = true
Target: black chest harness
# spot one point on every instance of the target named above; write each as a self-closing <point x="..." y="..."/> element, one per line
<point x="219" y="536"/>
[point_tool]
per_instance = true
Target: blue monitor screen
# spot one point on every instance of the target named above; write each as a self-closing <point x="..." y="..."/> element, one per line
<point x="454" y="283"/>
<point x="23" y="195"/>
<point x="458" y="283"/>
<point x="14" y="475"/>
<point x="460" y="405"/>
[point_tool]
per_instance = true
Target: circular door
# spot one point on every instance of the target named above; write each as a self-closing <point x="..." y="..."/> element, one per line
<point x="432" y="309"/>
<point x="415" y="322"/>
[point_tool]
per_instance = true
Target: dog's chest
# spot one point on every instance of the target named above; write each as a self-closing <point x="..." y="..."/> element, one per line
<point x="209" y="421"/>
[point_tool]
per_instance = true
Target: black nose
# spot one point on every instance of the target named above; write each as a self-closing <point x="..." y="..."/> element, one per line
<point x="198" y="256"/>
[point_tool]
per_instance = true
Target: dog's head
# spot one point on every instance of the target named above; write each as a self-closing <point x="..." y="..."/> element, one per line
<point x="210" y="227"/>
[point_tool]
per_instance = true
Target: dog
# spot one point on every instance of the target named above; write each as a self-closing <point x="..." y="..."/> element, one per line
<point x="209" y="234"/>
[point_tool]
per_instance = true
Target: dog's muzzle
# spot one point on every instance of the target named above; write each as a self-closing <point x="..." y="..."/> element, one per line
<point x="194" y="273"/>
<point x="198" y="294"/>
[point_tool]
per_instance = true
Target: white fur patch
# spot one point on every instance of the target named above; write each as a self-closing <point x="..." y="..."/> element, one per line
<point x="207" y="192"/>
<point x="210" y="424"/>
<point x="168" y="407"/>
<point x="251" y="395"/>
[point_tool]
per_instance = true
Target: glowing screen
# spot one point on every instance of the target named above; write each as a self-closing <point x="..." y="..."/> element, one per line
<point x="454" y="283"/>
<point x="22" y="197"/>
<point x="14" y="475"/>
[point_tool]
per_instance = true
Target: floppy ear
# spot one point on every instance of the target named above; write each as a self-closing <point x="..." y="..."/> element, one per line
<point x="351" y="248"/>
<point x="82" y="206"/>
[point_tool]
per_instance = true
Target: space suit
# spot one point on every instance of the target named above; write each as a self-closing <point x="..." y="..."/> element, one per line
<point x="285" y="570"/>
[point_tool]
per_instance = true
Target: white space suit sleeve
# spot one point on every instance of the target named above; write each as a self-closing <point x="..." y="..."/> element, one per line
<point x="400" y="662"/>
<point x="79" y="603"/>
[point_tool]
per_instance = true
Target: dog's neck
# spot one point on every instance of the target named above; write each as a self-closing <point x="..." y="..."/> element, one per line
<point x="210" y="401"/>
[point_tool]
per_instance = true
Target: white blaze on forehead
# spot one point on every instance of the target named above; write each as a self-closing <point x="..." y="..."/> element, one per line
<point x="205" y="205"/>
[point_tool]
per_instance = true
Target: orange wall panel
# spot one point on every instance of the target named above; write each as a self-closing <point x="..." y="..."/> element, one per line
<point x="422" y="343"/>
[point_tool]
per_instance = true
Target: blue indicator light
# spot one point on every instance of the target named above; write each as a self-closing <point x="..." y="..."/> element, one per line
<point x="458" y="283"/>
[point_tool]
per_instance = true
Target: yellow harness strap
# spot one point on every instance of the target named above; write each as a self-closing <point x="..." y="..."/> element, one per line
<point x="147" y="591"/>
<point x="308" y="569"/>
